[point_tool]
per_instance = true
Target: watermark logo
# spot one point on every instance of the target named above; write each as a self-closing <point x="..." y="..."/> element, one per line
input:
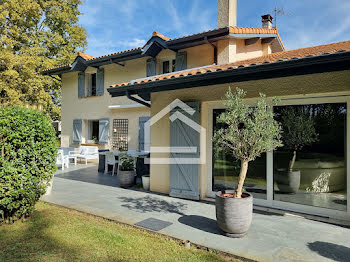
<point x="193" y="150"/>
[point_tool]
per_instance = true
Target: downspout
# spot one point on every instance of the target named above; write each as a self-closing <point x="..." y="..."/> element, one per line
<point x="215" y="50"/>
<point x="137" y="100"/>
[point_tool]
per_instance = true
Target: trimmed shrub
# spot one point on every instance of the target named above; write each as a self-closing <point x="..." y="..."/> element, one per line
<point x="27" y="160"/>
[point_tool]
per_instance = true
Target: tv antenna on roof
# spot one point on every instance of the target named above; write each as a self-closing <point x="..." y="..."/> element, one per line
<point x="279" y="12"/>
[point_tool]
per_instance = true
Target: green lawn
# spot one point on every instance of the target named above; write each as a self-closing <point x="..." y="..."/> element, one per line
<point x="59" y="234"/>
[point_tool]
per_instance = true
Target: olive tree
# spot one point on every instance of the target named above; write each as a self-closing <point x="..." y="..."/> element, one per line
<point x="248" y="131"/>
<point x="298" y="130"/>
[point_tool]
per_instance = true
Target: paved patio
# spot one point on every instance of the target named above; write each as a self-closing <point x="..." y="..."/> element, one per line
<point x="272" y="237"/>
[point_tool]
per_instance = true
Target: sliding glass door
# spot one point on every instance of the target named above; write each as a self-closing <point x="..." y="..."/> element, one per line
<point x="226" y="169"/>
<point x="309" y="173"/>
<point x="311" y="167"/>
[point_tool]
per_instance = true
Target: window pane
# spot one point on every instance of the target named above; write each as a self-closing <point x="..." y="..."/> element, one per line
<point x="173" y="65"/>
<point x="166" y="67"/>
<point x="226" y="169"/>
<point x="93" y="84"/>
<point x="316" y="135"/>
<point x="95" y="130"/>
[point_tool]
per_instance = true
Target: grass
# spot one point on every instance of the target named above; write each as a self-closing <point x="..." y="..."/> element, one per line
<point x="58" y="234"/>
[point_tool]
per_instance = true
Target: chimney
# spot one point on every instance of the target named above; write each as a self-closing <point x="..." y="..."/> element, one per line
<point x="227" y="13"/>
<point x="267" y="21"/>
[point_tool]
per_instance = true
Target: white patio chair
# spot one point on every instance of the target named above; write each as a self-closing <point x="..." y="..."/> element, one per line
<point x="62" y="160"/>
<point x="110" y="161"/>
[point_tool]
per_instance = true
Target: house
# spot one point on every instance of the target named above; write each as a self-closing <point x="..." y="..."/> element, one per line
<point x="198" y="70"/>
<point x="91" y="116"/>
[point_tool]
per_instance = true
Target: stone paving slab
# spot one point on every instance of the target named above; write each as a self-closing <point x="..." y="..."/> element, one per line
<point x="272" y="237"/>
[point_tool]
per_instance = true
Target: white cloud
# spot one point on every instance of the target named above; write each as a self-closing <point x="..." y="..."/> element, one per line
<point x="134" y="43"/>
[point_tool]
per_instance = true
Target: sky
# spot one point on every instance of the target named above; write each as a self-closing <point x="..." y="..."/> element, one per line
<point x="116" y="25"/>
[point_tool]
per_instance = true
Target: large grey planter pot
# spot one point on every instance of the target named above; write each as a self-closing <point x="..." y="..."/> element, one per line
<point x="126" y="178"/>
<point x="287" y="181"/>
<point x="234" y="215"/>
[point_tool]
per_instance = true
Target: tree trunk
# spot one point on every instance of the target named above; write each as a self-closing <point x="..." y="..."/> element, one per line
<point x="293" y="161"/>
<point x="242" y="175"/>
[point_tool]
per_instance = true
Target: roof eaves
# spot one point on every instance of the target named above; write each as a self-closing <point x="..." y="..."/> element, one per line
<point x="57" y="70"/>
<point x="234" y="71"/>
<point x="193" y="37"/>
<point x="120" y="56"/>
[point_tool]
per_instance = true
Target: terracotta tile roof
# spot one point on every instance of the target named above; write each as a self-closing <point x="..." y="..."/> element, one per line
<point x="61" y="66"/>
<point x="252" y="30"/>
<point x="161" y="36"/>
<point x="267" y="59"/>
<point x="232" y="30"/>
<point x="116" y="53"/>
<point x="85" y="56"/>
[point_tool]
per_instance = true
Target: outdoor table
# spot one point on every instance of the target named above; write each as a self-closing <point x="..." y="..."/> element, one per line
<point x="133" y="153"/>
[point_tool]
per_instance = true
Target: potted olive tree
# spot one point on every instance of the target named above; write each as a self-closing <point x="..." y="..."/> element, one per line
<point x="126" y="172"/>
<point x="298" y="131"/>
<point x="248" y="131"/>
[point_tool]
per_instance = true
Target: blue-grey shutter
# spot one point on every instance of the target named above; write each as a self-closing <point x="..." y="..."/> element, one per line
<point x="100" y="82"/>
<point x="81" y="84"/>
<point x="184" y="178"/>
<point x="142" y="121"/>
<point x="103" y="131"/>
<point x="77" y="128"/>
<point x="151" y="67"/>
<point x="181" y="61"/>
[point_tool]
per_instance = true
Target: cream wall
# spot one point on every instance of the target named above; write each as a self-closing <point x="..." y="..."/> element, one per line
<point x="94" y="108"/>
<point x="295" y="86"/>
<point x="199" y="56"/>
<point x="233" y="50"/>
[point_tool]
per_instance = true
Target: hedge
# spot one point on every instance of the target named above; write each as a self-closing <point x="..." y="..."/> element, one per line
<point x="27" y="160"/>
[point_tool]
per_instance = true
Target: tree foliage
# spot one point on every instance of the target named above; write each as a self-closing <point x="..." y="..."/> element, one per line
<point x="249" y="130"/>
<point x="298" y="128"/>
<point x="36" y="35"/>
<point x="27" y="160"/>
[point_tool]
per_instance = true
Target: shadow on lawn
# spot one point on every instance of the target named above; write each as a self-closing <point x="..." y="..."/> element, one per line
<point x="30" y="242"/>
<point x="151" y="204"/>
<point x="329" y="250"/>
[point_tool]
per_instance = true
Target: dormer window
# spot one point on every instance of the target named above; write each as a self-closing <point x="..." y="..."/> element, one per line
<point x="168" y="66"/>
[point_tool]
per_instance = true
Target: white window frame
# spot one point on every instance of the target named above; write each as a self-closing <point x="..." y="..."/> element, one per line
<point x="171" y="61"/>
<point x="270" y="202"/>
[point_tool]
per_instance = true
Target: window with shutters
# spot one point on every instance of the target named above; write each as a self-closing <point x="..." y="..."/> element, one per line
<point x="91" y="85"/>
<point x="92" y="131"/>
<point x="120" y="134"/>
<point x="168" y="66"/>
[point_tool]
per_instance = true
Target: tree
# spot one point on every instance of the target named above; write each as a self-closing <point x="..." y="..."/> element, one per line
<point x="36" y="35"/>
<point x="248" y="132"/>
<point x="298" y="130"/>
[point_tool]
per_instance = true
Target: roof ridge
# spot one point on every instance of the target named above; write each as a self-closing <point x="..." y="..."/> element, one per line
<point x="85" y="56"/>
<point x="115" y="53"/>
<point x="155" y="33"/>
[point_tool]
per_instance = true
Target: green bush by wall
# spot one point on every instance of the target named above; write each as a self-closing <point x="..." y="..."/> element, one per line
<point x="27" y="160"/>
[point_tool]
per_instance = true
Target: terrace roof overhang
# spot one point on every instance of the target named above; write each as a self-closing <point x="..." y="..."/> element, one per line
<point x="293" y="67"/>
